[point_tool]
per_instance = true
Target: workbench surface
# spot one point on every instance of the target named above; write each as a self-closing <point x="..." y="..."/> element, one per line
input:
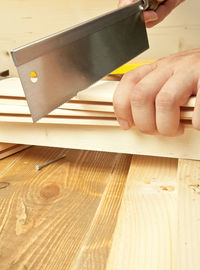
<point x="95" y="210"/>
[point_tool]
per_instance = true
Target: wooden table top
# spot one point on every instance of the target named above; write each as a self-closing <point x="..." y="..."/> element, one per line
<point x="95" y="210"/>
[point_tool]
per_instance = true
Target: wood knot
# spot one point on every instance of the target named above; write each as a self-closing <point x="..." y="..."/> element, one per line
<point x="195" y="188"/>
<point x="7" y="53"/>
<point x="4" y="185"/>
<point x="167" y="188"/>
<point x="49" y="191"/>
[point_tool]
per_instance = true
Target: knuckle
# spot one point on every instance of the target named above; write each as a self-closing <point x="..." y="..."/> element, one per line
<point x="121" y="109"/>
<point x="139" y="96"/>
<point x="165" y="100"/>
<point x="119" y="106"/>
<point x="134" y="76"/>
<point x="129" y="76"/>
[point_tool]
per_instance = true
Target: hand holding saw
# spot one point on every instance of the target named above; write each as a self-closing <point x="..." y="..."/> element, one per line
<point x="53" y="69"/>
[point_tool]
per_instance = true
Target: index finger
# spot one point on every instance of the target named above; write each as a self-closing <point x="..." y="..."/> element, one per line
<point x="122" y="95"/>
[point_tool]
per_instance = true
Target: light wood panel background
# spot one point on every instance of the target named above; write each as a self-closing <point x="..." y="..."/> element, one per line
<point x="23" y="21"/>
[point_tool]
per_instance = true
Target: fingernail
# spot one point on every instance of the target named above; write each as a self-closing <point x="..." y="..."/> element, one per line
<point x="124" y="124"/>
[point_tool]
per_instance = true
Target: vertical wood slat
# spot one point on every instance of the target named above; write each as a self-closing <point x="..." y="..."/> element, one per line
<point x="188" y="232"/>
<point x="146" y="228"/>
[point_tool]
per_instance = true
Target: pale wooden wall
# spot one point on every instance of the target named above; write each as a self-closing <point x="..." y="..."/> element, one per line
<point x="179" y="31"/>
<point x="22" y="21"/>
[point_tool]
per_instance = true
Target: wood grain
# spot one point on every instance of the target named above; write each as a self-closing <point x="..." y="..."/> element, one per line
<point x="23" y="22"/>
<point x="188" y="232"/>
<point x="7" y="149"/>
<point x="146" y="228"/>
<point x="4" y="146"/>
<point x="52" y="215"/>
<point x="88" y="110"/>
<point x="102" y="139"/>
<point x="94" y="210"/>
<point x="13" y="150"/>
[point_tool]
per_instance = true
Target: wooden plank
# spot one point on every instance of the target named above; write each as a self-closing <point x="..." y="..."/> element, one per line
<point x="11" y="87"/>
<point x="7" y="149"/>
<point x="145" y="234"/>
<point x="132" y="141"/>
<point x="6" y="164"/>
<point x="80" y="106"/>
<point x="15" y="109"/>
<point x="13" y="102"/>
<point x="188" y="230"/>
<point x="104" y="92"/>
<point x="106" y="121"/>
<point x="100" y="107"/>
<point x="16" y="112"/>
<point x="4" y="146"/>
<point x="96" y="245"/>
<point x="50" y="215"/>
<point x="13" y="150"/>
<point x="111" y="139"/>
<point x="101" y="91"/>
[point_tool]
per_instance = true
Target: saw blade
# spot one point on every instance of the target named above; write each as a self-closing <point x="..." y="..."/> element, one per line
<point x="53" y="69"/>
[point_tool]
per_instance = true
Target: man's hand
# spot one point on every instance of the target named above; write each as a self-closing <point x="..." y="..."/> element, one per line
<point x="150" y="96"/>
<point x="154" y="17"/>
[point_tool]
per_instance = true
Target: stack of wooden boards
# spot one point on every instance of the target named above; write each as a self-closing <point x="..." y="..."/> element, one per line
<point x="92" y="106"/>
<point x="88" y="121"/>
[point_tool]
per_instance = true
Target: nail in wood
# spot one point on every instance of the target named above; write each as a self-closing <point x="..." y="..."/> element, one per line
<point x="38" y="167"/>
